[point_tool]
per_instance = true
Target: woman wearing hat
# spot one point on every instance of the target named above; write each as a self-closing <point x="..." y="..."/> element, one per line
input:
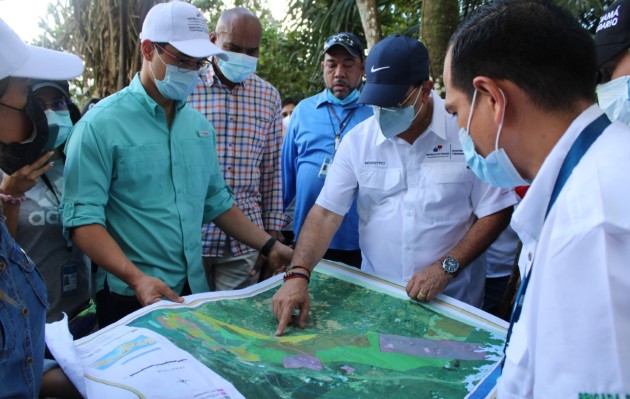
<point x="23" y="297"/>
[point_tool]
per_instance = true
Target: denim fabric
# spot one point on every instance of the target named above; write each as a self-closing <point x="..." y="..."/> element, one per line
<point x="22" y="319"/>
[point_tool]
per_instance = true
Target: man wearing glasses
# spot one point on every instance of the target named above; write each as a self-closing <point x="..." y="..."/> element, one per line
<point x="142" y="175"/>
<point x="318" y="125"/>
<point x="424" y="216"/>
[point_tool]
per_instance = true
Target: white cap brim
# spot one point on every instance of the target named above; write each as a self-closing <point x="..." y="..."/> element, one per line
<point x="199" y="49"/>
<point x="43" y="63"/>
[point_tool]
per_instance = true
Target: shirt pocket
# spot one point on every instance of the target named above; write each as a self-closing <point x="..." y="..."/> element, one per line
<point x="199" y="167"/>
<point x="7" y="328"/>
<point x="380" y="184"/>
<point x="446" y="191"/>
<point x="142" y="174"/>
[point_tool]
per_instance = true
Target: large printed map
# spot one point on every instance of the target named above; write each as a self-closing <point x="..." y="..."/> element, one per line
<point x="362" y="341"/>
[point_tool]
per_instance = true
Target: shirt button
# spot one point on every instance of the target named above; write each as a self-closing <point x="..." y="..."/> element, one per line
<point x="407" y="279"/>
<point x="24" y="312"/>
<point x="529" y="256"/>
<point x="408" y="247"/>
<point x="29" y="361"/>
<point x="3" y="266"/>
<point x="409" y="213"/>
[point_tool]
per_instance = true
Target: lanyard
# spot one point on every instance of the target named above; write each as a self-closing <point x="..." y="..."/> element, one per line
<point x="578" y="149"/>
<point x="342" y="125"/>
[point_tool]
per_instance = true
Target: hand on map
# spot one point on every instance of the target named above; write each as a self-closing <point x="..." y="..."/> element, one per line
<point x="293" y="295"/>
<point x="427" y="283"/>
<point x="150" y="290"/>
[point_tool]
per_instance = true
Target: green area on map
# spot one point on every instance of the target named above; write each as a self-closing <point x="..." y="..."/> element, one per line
<point x="359" y="343"/>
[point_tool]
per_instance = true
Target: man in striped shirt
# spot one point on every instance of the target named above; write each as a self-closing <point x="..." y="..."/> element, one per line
<point x="245" y="111"/>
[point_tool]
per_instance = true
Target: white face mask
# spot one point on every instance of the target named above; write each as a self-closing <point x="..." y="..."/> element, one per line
<point x="285" y="122"/>
<point x="238" y="67"/>
<point x="614" y="98"/>
<point x="395" y="120"/>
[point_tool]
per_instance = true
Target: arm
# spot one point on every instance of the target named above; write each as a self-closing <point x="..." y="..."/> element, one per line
<point x="429" y="282"/>
<point x="99" y="246"/>
<point x="235" y="224"/>
<point x="319" y="228"/>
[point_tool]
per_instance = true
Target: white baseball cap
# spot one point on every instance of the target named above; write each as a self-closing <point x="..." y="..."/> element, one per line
<point x="21" y="60"/>
<point x="182" y="26"/>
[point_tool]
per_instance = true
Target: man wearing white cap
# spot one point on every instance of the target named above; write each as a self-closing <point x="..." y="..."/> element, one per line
<point x="142" y="175"/>
<point x="22" y="291"/>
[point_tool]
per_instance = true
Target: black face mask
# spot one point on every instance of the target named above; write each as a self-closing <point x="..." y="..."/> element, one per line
<point x="15" y="156"/>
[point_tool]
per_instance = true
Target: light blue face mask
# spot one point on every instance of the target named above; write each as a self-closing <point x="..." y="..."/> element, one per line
<point x="395" y="120"/>
<point x="614" y="98"/>
<point x="350" y="98"/>
<point x="496" y="169"/>
<point x="176" y="85"/>
<point x="238" y="67"/>
<point x="61" y="119"/>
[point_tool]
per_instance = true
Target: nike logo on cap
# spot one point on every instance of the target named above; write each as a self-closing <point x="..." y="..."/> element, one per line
<point x="377" y="69"/>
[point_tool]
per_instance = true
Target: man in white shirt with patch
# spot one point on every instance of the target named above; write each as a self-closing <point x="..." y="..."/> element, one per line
<point x="424" y="218"/>
<point x="520" y="76"/>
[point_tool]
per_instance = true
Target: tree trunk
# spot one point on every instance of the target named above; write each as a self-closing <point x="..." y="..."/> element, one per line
<point x="439" y="20"/>
<point x="122" y="44"/>
<point x="369" y="20"/>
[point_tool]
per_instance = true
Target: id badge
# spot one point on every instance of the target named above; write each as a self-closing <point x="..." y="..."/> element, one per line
<point x="323" y="171"/>
<point x="69" y="280"/>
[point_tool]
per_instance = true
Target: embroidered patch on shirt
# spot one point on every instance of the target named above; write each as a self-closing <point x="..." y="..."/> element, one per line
<point x="203" y="133"/>
<point x="444" y="152"/>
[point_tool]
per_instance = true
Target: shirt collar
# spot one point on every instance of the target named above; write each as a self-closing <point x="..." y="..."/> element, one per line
<point x="529" y="217"/>
<point x="322" y="99"/>
<point x="140" y="94"/>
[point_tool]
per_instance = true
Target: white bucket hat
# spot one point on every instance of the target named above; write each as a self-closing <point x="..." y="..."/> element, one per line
<point x="21" y="60"/>
<point x="182" y="26"/>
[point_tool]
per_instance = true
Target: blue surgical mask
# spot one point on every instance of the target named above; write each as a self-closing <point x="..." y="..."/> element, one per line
<point x="61" y="119"/>
<point x="350" y="98"/>
<point x="238" y="67"/>
<point x="176" y="85"/>
<point x="614" y="98"/>
<point x="496" y="169"/>
<point x="395" y="120"/>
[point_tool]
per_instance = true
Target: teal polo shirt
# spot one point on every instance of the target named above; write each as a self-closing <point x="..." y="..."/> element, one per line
<point x="151" y="187"/>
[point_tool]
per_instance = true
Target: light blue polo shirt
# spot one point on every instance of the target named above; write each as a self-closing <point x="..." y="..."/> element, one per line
<point x="151" y="187"/>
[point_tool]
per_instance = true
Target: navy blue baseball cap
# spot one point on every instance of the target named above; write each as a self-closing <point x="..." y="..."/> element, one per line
<point x="392" y="65"/>
<point x="349" y="41"/>
<point x="613" y="32"/>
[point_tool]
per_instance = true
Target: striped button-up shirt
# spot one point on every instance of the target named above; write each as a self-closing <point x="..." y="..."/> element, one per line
<point x="248" y="124"/>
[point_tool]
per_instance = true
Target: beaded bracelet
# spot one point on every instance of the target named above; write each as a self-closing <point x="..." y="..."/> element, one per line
<point x="11" y="199"/>
<point x="264" y="251"/>
<point x="291" y="275"/>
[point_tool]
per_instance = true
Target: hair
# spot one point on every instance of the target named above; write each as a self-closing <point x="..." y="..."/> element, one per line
<point x="4" y="85"/>
<point x="535" y="44"/>
<point x="289" y="100"/>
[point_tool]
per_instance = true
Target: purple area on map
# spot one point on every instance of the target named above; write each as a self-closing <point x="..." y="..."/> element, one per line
<point x="347" y="369"/>
<point x="431" y="348"/>
<point x="302" y="361"/>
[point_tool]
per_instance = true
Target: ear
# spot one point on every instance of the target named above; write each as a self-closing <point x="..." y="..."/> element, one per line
<point x="147" y="49"/>
<point x="213" y="37"/>
<point x="426" y="88"/>
<point x="490" y="94"/>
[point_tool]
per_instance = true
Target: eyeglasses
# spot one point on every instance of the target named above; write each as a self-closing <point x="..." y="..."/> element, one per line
<point x="182" y="64"/>
<point x="56" y="104"/>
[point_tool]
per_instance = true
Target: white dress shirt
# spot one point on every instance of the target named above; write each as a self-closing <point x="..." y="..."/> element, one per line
<point x="415" y="201"/>
<point x="572" y="339"/>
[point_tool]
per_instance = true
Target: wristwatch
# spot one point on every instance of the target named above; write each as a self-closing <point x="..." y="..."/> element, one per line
<point x="450" y="266"/>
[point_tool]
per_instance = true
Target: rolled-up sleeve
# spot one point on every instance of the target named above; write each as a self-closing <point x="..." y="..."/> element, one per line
<point x="87" y="177"/>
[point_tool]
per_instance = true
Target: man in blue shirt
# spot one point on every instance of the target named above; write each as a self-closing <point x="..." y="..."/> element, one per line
<point x="317" y="126"/>
<point x="142" y="175"/>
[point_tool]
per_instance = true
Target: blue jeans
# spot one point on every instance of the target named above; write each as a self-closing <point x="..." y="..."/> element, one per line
<point x="22" y="319"/>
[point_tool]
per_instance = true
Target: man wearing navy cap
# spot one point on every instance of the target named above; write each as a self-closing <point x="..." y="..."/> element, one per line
<point x="424" y="217"/>
<point x="613" y="61"/>
<point x="318" y="125"/>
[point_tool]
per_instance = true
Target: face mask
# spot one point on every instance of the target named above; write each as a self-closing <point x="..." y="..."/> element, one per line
<point x="177" y="85"/>
<point x="285" y="122"/>
<point x="238" y="67"/>
<point x="15" y="156"/>
<point x="350" y="98"/>
<point x="63" y="121"/>
<point x="394" y="121"/>
<point x="496" y="169"/>
<point x="614" y="98"/>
